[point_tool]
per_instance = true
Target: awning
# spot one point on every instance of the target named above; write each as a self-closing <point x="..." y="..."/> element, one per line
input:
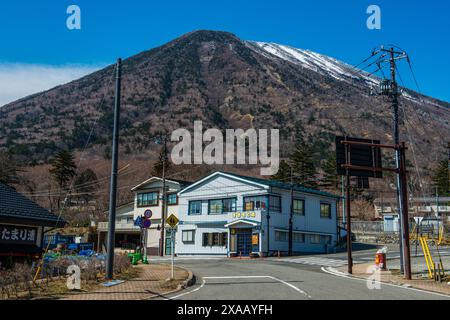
<point x="19" y="250"/>
<point x="242" y="221"/>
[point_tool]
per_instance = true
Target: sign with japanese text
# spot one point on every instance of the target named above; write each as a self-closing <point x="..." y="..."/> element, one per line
<point x="17" y="234"/>
<point x="244" y="214"/>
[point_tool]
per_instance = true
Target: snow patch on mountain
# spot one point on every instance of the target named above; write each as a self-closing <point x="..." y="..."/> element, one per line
<point x="327" y="66"/>
<point x="314" y="61"/>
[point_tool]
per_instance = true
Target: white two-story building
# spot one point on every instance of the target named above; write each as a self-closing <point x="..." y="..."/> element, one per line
<point x="232" y="215"/>
<point x="147" y="196"/>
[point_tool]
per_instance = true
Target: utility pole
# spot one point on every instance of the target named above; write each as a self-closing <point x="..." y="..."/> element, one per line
<point x="291" y="215"/>
<point x="163" y="203"/>
<point x="448" y="148"/>
<point x="113" y="187"/>
<point x="394" y="96"/>
<point x="405" y="213"/>
<point x="343" y="199"/>
<point x="402" y="193"/>
<point x="348" y="214"/>
<point x="437" y="202"/>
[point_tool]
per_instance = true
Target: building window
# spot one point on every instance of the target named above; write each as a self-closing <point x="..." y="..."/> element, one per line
<point x="172" y="199"/>
<point x="255" y="203"/>
<point x="326" y="239"/>
<point x="298" y="237"/>
<point x="147" y="199"/>
<point x="281" y="236"/>
<point x="229" y="205"/>
<point x="188" y="236"/>
<point x="275" y="203"/>
<point x="298" y="207"/>
<point x="325" y="210"/>
<point x="195" y="207"/>
<point x="220" y="206"/>
<point x="215" y="239"/>
<point x="314" y="238"/>
<point x="215" y="207"/>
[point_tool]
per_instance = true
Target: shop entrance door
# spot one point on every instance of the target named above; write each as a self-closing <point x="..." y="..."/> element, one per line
<point x="244" y="243"/>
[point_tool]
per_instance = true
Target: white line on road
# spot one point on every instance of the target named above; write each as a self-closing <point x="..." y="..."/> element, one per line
<point x="270" y="277"/>
<point x="185" y="293"/>
<point x="337" y="273"/>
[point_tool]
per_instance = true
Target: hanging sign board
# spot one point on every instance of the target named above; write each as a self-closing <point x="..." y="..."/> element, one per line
<point x="360" y="155"/>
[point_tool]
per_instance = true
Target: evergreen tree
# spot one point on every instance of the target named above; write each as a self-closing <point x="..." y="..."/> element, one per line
<point x="441" y="178"/>
<point x="331" y="178"/>
<point x="303" y="166"/>
<point x="284" y="172"/>
<point x="86" y="184"/>
<point x="8" y="169"/>
<point x="63" y="170"/>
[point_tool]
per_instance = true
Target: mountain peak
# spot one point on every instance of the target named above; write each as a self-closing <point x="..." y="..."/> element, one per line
<point x="209" y="35"/>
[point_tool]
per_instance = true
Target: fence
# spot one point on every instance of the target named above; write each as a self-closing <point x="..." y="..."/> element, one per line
<point x="367" y="226"/>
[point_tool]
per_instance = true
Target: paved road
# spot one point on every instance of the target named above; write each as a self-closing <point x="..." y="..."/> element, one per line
<point x="281" y="279"/>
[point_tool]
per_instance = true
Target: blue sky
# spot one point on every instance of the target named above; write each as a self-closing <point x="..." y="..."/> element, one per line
<point x="35" y="37"/>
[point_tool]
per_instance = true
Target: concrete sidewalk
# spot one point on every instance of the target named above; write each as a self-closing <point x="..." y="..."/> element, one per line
<point x="150" y="282"/>
<point x="393" y="276"/>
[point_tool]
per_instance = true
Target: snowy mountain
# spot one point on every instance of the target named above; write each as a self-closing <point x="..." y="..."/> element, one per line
<point x="226" y="82"/>
<point x="314" y="61"/>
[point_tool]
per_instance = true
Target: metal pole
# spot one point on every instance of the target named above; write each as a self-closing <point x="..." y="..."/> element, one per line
<point x="163" y="204"/>
<point x="291" y="215"/>
<point x="437" y="202"/>
<point x="349" y="228"/>
<point x="394" y="95"/>
<point x="172" y="251"/>
<point x="343" y="199"/>
<point x="113" y="187"/>
<point x="448" y="147"/>
<point x="405" y="226"/>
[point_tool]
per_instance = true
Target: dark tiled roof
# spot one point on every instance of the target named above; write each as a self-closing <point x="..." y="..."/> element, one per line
<point x="283" y="185"/>
<point x="14" y="205"/>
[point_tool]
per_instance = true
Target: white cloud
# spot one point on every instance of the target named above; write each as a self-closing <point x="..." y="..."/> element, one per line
<point x="18" y="80"/>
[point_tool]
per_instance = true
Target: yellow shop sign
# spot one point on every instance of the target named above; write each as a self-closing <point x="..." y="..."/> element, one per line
<point x="244" y="215"/>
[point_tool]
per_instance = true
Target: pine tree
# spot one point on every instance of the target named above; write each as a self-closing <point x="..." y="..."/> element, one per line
<point x="302" y="162"/>
<point x="63" y="170"/>
<point x="86" y="184"/>
<point x="284" y="172"/>
<point x="331" y="178"/>
<point x="8" y="169"/>
<point x="441" y="178"/>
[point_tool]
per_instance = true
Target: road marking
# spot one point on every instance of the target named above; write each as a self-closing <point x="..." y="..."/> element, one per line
<point x="185" y="293"/>
<point x="270" y="277"/>
<point x="317" y="261"/>
<point x="338" y="273"/>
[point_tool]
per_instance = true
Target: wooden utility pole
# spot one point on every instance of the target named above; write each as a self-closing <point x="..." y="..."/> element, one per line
<point x="405" y="214"/>
<point x="348" y="213"/>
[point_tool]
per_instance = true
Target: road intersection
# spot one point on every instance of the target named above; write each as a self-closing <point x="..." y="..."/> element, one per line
<point x="291" y="278"/>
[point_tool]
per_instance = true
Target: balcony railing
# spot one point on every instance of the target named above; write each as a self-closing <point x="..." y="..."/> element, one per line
<point x="120" y="226"/>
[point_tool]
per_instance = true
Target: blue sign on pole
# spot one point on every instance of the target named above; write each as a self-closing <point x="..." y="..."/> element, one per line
<point x="138" y="222"/>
